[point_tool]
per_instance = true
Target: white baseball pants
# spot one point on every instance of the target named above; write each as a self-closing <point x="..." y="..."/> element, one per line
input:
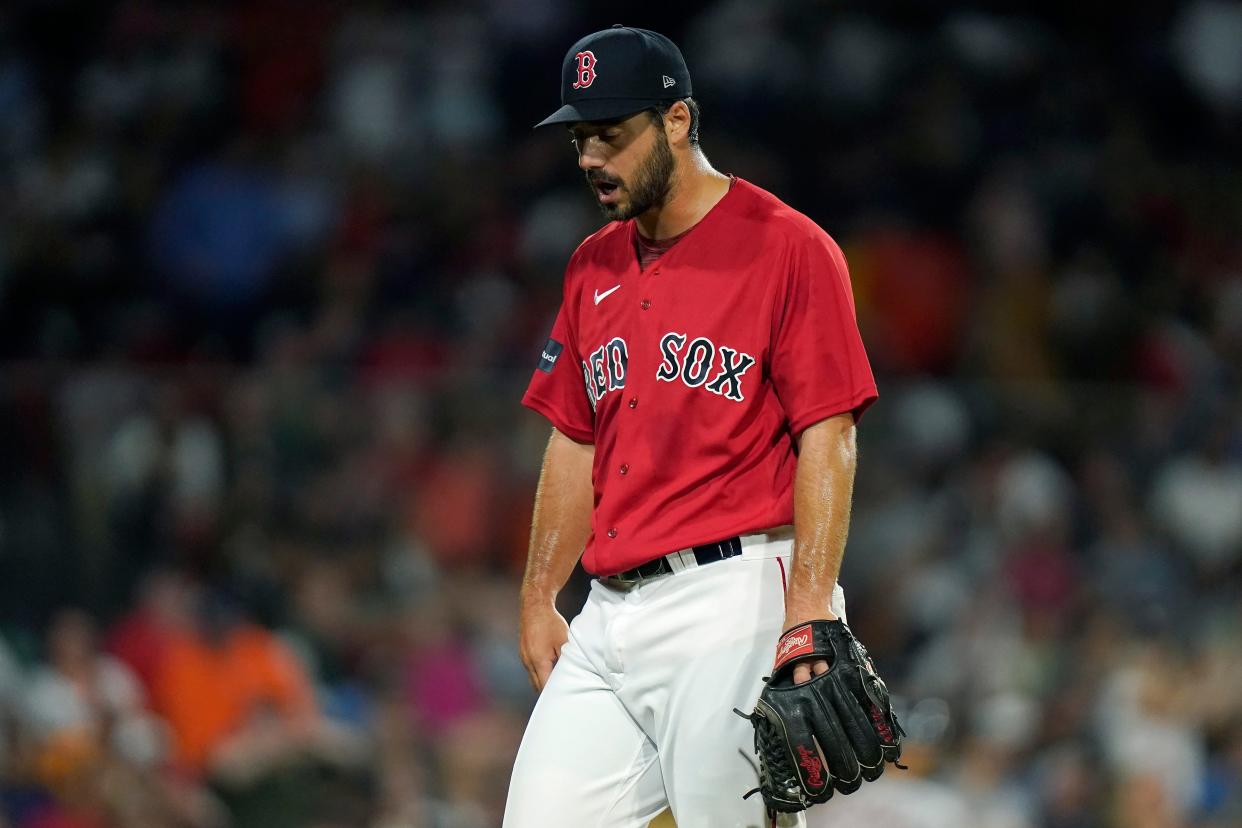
<point x="637" y="714"/>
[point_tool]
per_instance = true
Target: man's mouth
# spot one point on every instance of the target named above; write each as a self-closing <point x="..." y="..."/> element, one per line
<point x="606" y="191"/>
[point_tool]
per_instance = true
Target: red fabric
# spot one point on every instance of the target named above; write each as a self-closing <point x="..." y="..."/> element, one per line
<point x="1042" y="576"/>
<point x="56" y="816"/>
<point x="699" y="372"/>
<point x="914" y="291"/>
<point x="141" y="641"/>
<point x="454" y="510"/>
<point x="651" y="249"/>
<point x="280" y="47"/>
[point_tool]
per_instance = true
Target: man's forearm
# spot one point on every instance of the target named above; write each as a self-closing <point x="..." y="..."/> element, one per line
<point x="823" y="490"/>
<point x="562" y="518"/>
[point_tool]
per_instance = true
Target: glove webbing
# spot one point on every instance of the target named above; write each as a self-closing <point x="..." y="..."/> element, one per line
<point x="770" y="746"/>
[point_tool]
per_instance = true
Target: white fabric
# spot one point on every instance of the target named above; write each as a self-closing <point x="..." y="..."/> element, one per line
<point x="638" y="712"/>
<point x="54" y="703"/>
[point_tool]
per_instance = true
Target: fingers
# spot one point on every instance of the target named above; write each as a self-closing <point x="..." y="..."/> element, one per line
<point x="538" y="676"/>
<point x="803" y="672"/>
<point x="538" y="669"/>
<point x="533" y="675"/>
<point x="541" y="638"/>
<point x="542" y="671"/>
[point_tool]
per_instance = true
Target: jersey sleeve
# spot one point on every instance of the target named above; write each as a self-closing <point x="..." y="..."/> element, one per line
<point x="819" y="367"/>
<point x="557" y="389"/>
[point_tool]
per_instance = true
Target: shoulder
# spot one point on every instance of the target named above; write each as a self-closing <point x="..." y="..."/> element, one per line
<point x="601" y="247"/>
<point x="780" y="227"/>
<point x="605" y="252"/>
<point x="777" y="222"/>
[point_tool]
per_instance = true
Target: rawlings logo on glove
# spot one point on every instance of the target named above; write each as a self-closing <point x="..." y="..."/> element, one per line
<point x="828" y="734"/>
<point x="795" y="643"/>
<point x="813" y="767"/>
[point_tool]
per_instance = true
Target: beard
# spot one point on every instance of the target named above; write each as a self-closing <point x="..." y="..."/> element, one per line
<point x="652" y="182"/>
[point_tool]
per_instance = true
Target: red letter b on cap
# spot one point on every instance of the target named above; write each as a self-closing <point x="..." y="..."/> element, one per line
<point x="586" y="70"/>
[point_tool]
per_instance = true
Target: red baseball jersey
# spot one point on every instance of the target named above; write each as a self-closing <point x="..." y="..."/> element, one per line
<point x="693" y="377"/>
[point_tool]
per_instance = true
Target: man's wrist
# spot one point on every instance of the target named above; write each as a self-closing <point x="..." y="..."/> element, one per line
<point x="799" y="611"/>
<point x="537" y="597"/>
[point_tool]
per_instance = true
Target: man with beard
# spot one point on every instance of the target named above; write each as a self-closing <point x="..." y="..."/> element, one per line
<point x="703" y="475"/>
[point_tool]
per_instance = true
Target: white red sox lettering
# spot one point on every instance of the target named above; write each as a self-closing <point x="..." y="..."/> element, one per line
<point x="605" y="368"/>
<point x="692" y="363"/>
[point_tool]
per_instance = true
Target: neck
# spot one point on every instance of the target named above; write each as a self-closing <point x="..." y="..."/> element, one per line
<point x="696" y="188"/>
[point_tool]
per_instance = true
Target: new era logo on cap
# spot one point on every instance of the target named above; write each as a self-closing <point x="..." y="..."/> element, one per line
<point x="668" y="81"/>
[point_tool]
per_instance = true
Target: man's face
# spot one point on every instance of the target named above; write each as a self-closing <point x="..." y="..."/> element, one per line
<point x="628" y="164"/>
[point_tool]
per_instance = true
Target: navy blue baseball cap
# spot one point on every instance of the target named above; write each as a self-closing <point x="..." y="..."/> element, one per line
<point x="617" y="72"/>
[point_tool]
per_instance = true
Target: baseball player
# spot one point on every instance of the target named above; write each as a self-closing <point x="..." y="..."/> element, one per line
<point x="703" y="378"/>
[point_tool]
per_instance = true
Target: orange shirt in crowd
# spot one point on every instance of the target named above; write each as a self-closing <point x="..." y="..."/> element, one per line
<point x="207" y="693"/>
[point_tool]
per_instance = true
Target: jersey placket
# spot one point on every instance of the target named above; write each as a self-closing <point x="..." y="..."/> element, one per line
<point x="624" y="473"/>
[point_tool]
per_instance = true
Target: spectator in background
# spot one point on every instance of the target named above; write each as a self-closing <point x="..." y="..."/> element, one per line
<point x="165" y="465"/>
<point x="218" y="234"/>
<point x="441" y="681"/>
<point x="91" y="744"/>
<point x="82" y="702"/>
<point x="1197" y="497"/>
<point x="227" y="685"/>
<point x="11" y="680"/>
<point x="1148" y="721"/>
<point x="243" y="715"/>
<point x="142" y="638"/>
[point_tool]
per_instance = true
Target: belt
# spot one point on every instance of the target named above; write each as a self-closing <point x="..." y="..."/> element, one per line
<point x="664" y="565"/>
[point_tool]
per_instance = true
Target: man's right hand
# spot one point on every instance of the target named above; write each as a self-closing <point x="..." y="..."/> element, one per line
<point x="543" y="633"/>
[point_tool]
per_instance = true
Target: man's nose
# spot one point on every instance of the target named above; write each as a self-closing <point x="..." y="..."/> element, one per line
<point x="589" y="158"/>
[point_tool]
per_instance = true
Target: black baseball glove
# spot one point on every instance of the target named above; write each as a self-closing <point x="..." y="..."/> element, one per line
<point x="829" y="733"/>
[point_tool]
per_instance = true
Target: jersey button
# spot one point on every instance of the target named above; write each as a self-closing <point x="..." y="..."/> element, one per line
<point x="625" y="469"/>
<point x="645" y="304"/>
<point x="612" y="533"/>
<point x="633" y="402"/>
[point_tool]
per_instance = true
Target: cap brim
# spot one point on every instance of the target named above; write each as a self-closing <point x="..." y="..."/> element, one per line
<point x="597" y="110"/>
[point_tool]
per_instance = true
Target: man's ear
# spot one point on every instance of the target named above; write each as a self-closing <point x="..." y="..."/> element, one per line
<point x="677" y="122"/>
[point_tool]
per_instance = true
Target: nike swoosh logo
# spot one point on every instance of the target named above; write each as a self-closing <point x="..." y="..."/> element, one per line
<point x="599" y="297"/>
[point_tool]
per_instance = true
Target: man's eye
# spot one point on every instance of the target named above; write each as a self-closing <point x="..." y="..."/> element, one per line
<point x="606" y="137"/>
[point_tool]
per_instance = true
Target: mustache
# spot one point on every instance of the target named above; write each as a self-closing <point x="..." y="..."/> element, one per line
<point x="600" y="178"/>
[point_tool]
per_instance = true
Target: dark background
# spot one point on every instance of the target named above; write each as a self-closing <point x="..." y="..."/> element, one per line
<point x="273" y="276"/>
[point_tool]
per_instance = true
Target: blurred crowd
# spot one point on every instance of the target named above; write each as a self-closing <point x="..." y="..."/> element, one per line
<point x="273" y="277"/>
